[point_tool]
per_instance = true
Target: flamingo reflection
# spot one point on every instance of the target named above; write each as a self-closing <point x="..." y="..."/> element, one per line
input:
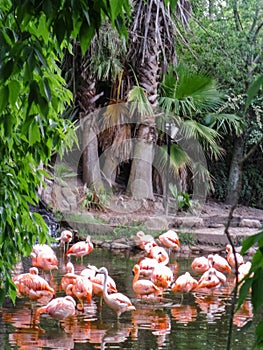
<point x="147" y="318"/>
<point x="244" y="314"/>
<point x="184" y="313"/>
<point x="210" y="305"/>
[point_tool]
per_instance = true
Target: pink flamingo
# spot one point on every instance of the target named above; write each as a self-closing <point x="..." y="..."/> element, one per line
<point x="116" y="301"/>
<point x="170" y="240"/>
<point x="142" y="239"/>
<point x="58" y="308"/>
<point x="219" y="263"/>
<point x="65" y="238"/>
<point x="143" y="287"/>
<point x="81" y="249"/>
<point x="162" y="276"/>
<point x="81" y="289"/>
<point x="44" y="257"/>
<point x="184" y="283"/>
<point x="200" y="264"/>
<point x="33" y="286"/>
<point x="231" y="257"/>
<point x="147" y="265"/>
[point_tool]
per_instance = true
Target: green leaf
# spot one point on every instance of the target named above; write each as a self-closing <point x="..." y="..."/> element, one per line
<point x="14" y="89"/>
<point x="41" y="58"/>
<point x="60" y="30"/>
<point x="47" y="89"/>
<point x="3" y="97"/>
<point x="257" y="295"/>
<point x="250" y="241"/>
<point x="9" y="122"/>
<point x="86" y="34"/>
<point x="6" y="70"/>
<point x="43" y="28"/>
<point x="115" y="7"/>
<point x="33" y="94"/>
<point x="33" y="133"/>
<point x="43" y="104"/>
<point x="259" y="334"/>
<point x="244" y="290"/>
<point x="253" y="90"/>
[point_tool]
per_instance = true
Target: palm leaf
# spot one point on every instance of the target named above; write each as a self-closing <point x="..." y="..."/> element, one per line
<point x="139" y="103"/>
<point x="179" y="160"/>
<point x="122" y="143"/>
<point x="191" y="91"/>
<point x="115" y="113"/>
<point x="205" y="135"/>
<point x="224" y="122"/>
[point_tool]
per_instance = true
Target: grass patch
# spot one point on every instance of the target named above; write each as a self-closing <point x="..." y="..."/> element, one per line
<point x="186" y="238"/>
<point x="83" y="218"/>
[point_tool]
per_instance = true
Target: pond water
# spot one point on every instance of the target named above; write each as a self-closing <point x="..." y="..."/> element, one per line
<point x="198" y="321"/>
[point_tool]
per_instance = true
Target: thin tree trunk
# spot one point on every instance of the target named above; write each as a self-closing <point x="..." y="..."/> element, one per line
<point x="91" y="166"/>
<point x="235" y="173"/>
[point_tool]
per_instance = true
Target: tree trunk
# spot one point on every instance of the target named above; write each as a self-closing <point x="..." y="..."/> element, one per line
<point x="91" y="166"/>
<point x="109" y="168"/>
<point x="140" y="183"/>
<point x="140" y="180"/>
<point x="235" y="173"/>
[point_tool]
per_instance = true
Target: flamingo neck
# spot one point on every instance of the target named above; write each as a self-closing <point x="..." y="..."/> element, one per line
<point x="105" y="291"/>
<point x="136" y="276"/>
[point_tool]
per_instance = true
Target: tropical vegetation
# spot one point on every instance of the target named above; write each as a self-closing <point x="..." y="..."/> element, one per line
<point x="124" y="74"/>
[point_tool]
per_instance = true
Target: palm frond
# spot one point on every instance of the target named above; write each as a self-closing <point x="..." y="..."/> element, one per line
<point x="225" y="123"/>
<point x="192" y="92"/>
<point x="179" y="160"/>
<point x="122" y="143"/>
<point x="202" y="175"/>
<point x="139" y="103"/>
<point x="206" y="136"/>
<point x="115" y="113"/>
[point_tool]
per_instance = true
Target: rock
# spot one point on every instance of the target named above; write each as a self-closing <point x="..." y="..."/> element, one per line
<point x="119" y="246"/>
<point x="250" y="223"/>
<point x="70" y="197"/>
<point x="157" y="223"/>
<point x="188" y="221"/>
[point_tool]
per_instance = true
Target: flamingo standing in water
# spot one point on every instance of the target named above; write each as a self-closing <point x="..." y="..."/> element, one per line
<point x="44" y="257"/>
<point x="243" y="270"/>
<point x="211" y="279"/>
<point x="184" y="283"/>
<point x="143" y="287"/>
<point x="97" y="281"/>
<point x="69" y="278"/>
<point x="77" y="286"/>
<point x="116" y="301"/>
<point x="81" y="289"/>
<point x="142" y="239"/>
<point x="231" y="257"/>
<point x="81" y="249"/>
<point x="33" y="286"/>
<point x="158" y="253"/>
<point x="170" y="240"/>
<point x="162" y="276"/>
<point x="65" y="238"/>
<point x="58" y="308"/>
<point x="200" y="264"/>
<point x="219" y="263"/>
<point x="147" y="265"/>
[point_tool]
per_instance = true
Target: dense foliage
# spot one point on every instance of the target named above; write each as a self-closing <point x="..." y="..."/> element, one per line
<point x="33" y="102"/>
<point x="226" y="40"/>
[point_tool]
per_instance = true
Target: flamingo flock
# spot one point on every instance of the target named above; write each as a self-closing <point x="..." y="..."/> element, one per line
<point x="154" y="276"/>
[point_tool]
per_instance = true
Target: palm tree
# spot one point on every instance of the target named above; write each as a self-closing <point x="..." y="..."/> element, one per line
<point x="194" y="104"/>
<point x="151" y="45"/>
